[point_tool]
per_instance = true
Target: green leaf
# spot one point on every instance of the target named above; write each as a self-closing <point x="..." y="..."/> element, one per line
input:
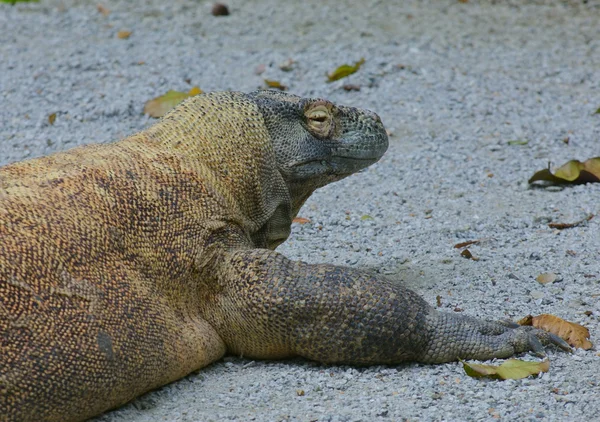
<point x="366" y="217"/>
<point x="597" y="111"/>
<point x="518" y="142"/>
<point x="344" y="70"/>
<point x="511" y="369"/>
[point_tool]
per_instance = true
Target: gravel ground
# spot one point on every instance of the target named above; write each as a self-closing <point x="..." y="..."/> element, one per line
<point x="454" y="82"/>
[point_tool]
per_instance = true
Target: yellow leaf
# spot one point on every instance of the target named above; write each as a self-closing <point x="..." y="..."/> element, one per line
<point x="344" y="70"/>
<point x="159" y="106"/>
<point x="52" y="118"/>
<point x="510" y="369"/>
<point x="194" y="91"/>
<point x="275" y="84"/>
<point x="573" y="172"/>
<point x="571" y="332"/>
<point x="123" y="34"/>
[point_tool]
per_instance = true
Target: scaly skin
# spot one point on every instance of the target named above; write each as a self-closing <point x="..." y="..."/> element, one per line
<point x="126" y="266"/>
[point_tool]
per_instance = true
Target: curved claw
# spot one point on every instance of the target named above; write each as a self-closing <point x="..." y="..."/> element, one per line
<point x="536" y="346"/>
<point x="559" y="342"/>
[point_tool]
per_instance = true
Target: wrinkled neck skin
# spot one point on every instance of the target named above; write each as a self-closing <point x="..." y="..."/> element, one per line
<point x="231" y="150"/>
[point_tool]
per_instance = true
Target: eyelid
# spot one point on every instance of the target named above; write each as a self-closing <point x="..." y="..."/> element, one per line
<point x="319" y="113"/>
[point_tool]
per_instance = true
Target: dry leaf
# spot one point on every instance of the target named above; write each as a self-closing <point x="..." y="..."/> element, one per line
<point x="123" y="34"/>
<point x="467" y="254"/>
<point x="52" y="118"/>
<point x="159" y="106"/>
<point x="518" y="142"/>
<point x="300" y="220"/>
<point x="275" y="84"/>
<point x="561" y="226"/>
<point x="103" y="10"/>
<point x="467" y="243"/>
<point x="571" y="332"/>
<point x="344" y="70"/>
<point x="511" y="369"/>
<point x="572" y="172"/>
<point x="546" y="278"/>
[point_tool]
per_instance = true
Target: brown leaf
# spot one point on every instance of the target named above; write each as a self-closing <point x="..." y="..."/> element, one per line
<point x="344" y="70"/>
<point x="571" y="332"/>
<point x="300" y="220"/>
<point x="561" y="226"/>
<point x="467" y="254"/>
<point x="467" y="243"/>
<point x="159" y="106"/>
<point x="572" y="172"/>
<point x="52" y="118"/>
<point x="123" y="34"/>
<point x="275" y="84"/>
<point x="102" y="9"/>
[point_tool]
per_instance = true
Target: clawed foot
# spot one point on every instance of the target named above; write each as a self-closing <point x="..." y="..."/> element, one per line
<point x="461" y="336"/>
<point x="534" y="340"/>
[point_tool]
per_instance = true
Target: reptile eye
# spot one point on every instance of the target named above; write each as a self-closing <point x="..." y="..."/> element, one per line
<point x="319" y="116"/>
<point x="319" y="119"/>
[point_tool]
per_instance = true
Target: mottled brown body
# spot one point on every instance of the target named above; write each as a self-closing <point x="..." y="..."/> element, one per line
<point x="126" y="266"/>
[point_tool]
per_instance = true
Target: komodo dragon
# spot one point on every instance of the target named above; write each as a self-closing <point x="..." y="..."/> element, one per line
<point x="126" y="266"/>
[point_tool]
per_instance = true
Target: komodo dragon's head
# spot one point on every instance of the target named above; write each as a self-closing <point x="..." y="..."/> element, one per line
<point x="317" y="142"/>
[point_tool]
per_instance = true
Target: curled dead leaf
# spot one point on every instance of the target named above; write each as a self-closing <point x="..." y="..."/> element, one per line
<point x="467" y="254"/>
<point x="571" y="332"/>
<point x="344" y="70"/>
<point x="572" y="172"/>
<point x="511" y="369"/>
<point x="52" y="118"/>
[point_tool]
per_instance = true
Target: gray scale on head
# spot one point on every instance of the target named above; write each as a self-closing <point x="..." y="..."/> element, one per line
<point x="318" y="142"/>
